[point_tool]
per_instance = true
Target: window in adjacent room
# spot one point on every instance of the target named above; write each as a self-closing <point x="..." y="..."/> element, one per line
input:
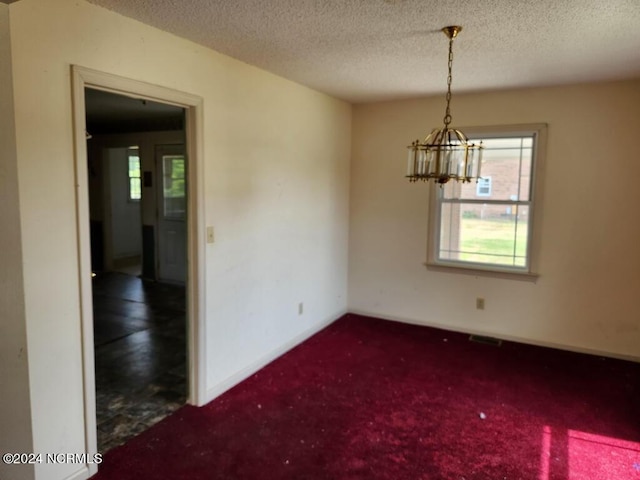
<point x="135" y="183"/>
<point x="174" y="184"/>
<point x="489" y="225"/>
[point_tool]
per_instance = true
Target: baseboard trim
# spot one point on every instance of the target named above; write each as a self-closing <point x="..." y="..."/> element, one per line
<point x="500" y="336"/>
<point x="83" y="474"/>
<point x="127" y="261"/>
<point x="249" y="370"/>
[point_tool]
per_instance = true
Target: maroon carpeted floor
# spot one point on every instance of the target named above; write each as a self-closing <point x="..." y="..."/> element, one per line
<point x="371" y="399"/>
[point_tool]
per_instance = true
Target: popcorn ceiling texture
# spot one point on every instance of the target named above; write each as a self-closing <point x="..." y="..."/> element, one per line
<point x="367" y="50"/>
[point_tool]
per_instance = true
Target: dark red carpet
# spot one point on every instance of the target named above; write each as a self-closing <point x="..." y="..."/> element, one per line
<point x="371" y="399"/>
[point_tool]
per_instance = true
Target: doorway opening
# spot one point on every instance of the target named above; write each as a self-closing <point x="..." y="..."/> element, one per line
<point x="137" y="205"/>
<point x="139" y="208"/>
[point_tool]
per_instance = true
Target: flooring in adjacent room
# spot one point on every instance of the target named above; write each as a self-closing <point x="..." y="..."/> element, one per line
<point x="140" y="355"/>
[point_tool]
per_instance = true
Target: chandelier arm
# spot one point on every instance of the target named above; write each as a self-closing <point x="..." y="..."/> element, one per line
<point x="461" y="135"/>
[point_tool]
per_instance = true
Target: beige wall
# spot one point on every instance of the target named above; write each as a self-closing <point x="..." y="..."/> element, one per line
<point x="276" y="176"/>
<point x="15" y="416"/>
<point x="589" y="261"/>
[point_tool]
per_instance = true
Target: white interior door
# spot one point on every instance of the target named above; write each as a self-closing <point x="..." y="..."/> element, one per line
<point x="171" y="166"/>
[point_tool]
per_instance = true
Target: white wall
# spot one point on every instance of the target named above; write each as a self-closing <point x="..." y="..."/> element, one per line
<point x="589" y="260"/>
<point x="276" y="175"/>
<point x="15" y="416"/>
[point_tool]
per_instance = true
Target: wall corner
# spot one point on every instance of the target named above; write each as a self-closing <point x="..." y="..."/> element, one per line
<point x="15" y="407"/>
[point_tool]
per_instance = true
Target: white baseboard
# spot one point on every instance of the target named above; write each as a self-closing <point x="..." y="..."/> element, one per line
<point x="81" y="474"/>
<point x="249" y="370"/>
<point x="509" y="338"/>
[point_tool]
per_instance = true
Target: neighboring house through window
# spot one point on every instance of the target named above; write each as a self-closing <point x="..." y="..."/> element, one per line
<point x="483" y="187"/>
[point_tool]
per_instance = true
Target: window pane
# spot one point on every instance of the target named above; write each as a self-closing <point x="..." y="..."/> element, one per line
<point x="135" y="192"/>
<point x="503" y="142"/>
<point x="133" y="171"/>
<point x="477" y="233"/>
<point x="507" y="161"/>
<point x="174" y="186"/>
<point x="134" y="166"/>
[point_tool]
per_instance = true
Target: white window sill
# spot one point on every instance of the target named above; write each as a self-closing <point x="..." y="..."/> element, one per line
<point x="483" y="271"/>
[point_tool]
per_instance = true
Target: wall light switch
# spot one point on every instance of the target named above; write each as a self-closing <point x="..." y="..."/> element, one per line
<point x="210" y="235"/>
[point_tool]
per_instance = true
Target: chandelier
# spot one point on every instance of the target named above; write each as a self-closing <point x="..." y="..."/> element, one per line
<point x="445" y="154"/>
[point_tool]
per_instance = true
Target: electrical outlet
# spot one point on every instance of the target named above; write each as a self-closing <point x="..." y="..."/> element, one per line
<point x="209" y="234"/>
<point x="300" y="308"/>
<point x="479" y="303"/>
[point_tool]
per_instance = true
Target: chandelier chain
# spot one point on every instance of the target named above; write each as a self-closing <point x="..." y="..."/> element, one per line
<point x="447" y="116"/>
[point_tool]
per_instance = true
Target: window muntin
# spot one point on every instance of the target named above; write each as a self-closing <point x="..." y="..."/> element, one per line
<point x="488" y="225"/>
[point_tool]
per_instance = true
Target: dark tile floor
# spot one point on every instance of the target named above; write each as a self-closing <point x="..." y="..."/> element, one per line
<point x="140" y="355"/>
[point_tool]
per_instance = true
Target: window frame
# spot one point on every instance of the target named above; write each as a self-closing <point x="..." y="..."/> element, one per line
<point x="530" y="271"/>
<point x="130" y="153"/>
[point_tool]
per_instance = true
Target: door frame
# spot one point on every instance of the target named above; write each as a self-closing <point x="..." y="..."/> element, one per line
<point x="82" y="78"/>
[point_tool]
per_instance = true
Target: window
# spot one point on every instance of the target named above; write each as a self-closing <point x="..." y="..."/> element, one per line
<point x="174" y="178"/>
<point x="135" y="183"/>
<point x="489" y="225"/>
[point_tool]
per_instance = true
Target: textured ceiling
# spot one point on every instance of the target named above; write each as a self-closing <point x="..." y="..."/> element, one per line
<point x="365" y="50"/>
